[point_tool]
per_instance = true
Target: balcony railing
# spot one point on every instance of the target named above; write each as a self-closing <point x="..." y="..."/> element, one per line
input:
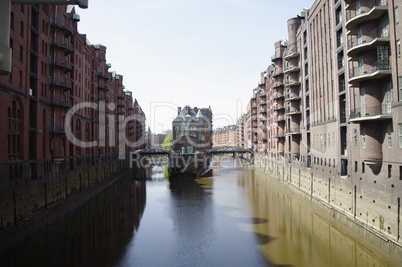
<point x="369" y="71"/>
<point x="61" y="23"/>
<point x="61" y="63"/>
<point x="292" y="96"/>
<point x="65" y="83"/>
<point x="291" y="52"/>
<point x="292" y="110"/>
<point x="379" y="112"/>
<point x="279" y="118"/>
<point x="354" y="17"/>
<point x="367" y="38"/>
<point x="104" y="98"/>
<point x="277" y="73"/>
<point x="278" y="107"/>
<point x="291" y="83"/>
<point x="279" y="135"/>
<point x="61" y="103"/>
<point x="277" y="96"/>
<point x="276" y="57"/>
<point x="291" y="69"/>
<point x="102" y="74"/>
<point x="293" y="130"/>
<point x="103" y="86"/>
<point x="59" y="43"/>
<point x="277" y="84"/>
<point x="57" y="129"/>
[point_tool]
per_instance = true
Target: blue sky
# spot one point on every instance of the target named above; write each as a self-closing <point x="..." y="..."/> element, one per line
<point x="189" y="52"/>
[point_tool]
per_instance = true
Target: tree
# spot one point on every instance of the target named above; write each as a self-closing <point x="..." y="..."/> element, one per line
<point x="167" y="143"/>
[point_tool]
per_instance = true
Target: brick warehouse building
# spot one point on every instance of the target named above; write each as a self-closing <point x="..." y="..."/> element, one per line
<point x="327" y="114"/>
<point x="54" y="68"/>
<point x="225" y="136"/>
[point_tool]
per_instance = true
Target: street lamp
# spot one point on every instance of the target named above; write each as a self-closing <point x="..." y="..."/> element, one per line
<point x="5" y="11"/>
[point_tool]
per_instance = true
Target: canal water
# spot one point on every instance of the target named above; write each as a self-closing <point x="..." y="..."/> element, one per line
<point x="237" y="217"/>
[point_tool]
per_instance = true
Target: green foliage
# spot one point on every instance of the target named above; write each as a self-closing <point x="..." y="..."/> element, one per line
<point x="167" y="143"/>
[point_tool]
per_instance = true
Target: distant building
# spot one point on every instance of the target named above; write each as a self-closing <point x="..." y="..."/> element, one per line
<point x="225" y="136"/>
<point x="192" y="130"/>
<point x="157" y="140"/>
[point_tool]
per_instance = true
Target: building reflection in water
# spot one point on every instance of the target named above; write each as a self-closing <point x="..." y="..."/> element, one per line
<point x="304" y="235"/>
<point x="92" y="235"/>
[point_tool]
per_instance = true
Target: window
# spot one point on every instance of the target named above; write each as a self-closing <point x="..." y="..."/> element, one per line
<point x="21" y="54"/>
<point x="388" y="131"/>
<point x="396" y="14"/>
<point x="355" y="166"/>
<point x="398" y="47"/>
<point x="22" y="29"/>
<point x="363" y="167"/>
<point x="12" y="20"/>
<point x="389" y="170"/>
<point x="20" y="78"/>
<point x="400" y="87"/>
<point x="363" y="135"/>
<point x="355" y="137"/>
<point x="400" y="134"/>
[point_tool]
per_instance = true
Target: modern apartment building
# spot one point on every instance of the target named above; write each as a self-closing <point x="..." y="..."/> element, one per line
<point x="50" y="152"/>
<point x="332" y="102"/>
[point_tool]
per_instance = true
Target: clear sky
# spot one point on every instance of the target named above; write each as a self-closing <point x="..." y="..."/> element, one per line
<point x="199" y="53"/>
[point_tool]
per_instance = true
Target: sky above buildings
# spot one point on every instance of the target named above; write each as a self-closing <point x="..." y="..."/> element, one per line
<point x="199" y="53"/>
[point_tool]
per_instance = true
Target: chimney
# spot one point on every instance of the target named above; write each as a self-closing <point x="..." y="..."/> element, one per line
<point x="178" y="110"/>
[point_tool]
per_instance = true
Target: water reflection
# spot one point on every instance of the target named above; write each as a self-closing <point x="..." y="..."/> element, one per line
<point x="304" y="236"/>
<point x="92" y="235"/>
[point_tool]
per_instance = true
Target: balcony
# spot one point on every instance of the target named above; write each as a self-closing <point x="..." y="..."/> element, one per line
<point x="278" y="107"/>
<point x="66" y="84"/>
<point x="354" y="18"/>
<point x="279" y="135"/>
<point x="292" y="97"/>
<point x="292" y="83"/>
<point x="292" y="69"/>
<point x="57" y="129"/>
<point x="369" y="72"/>
<point x="277" y="96"/>
<point x="375" y="113"/>
<point x="277" y="84"/>
<point x="276" y="57"/>
<point x="277" y="73"/>
<point x="291" y="52"/>
<point x="103" y="98"/>
<point x="367" y="42"/>
<point x="104" y="75"/>
<point x="61" y="103"/>
<point x="68" y="48"/>
<point x="279" y="118"/>
<point x="61" y="24"/>
<point x="294" y="130"/>
<point x="67" y="66"/>
<point x="292" y="111"/>
<point x="103" y="86"/>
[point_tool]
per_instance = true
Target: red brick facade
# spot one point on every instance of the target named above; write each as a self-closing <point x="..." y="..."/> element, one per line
<point x="54" y="68"/>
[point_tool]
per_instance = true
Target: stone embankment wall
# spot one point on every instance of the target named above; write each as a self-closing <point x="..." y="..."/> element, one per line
<point x="343" y="198"/>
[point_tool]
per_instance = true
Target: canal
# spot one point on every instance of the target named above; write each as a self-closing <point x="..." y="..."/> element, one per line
<point x="237" y="217"/>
